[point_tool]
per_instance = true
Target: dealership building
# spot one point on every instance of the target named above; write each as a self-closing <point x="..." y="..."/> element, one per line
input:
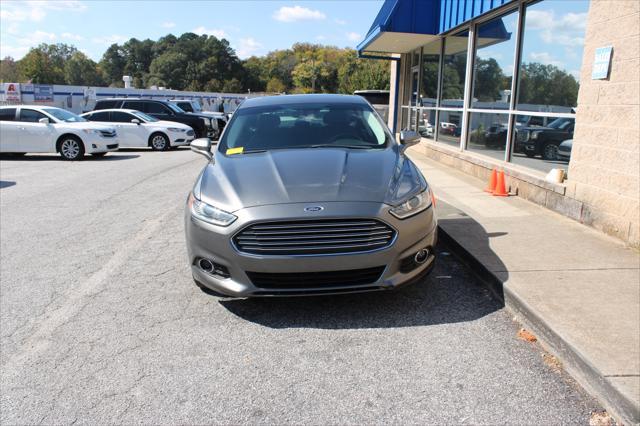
<point x="547" y="91"/>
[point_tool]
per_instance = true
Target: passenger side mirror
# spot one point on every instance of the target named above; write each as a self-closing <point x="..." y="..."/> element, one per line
<point x="43" y="121"/>
<point x="409" y="138"/>
<point x="202" y="146"/>
<point x="135" y="121"/>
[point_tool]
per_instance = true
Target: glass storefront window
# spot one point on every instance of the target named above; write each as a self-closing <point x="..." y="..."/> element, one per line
<point x="488" y="134"/>
<point x="429" y="84"/>
<point x="426" y="123"/>
<point x="493" y="67"/>
<point x="552" y="48"/>
<point x="450" y="127"/>
<point x="539" y="142"/>
<point x="454" y="69"/>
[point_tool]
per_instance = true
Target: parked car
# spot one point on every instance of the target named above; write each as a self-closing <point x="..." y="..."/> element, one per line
<point x="288" y="204"/>
<point x="29" y="128"/>
<point x="379" y="99"/>
<point x="162" y="110"/>
<point x="218" y="119"/>
<point x="448" y="128"/>
<point x="138" y="130"/>
<point x="564" y="150"/>
<point x="544" y="141"/>
<point x="496" y="135"/>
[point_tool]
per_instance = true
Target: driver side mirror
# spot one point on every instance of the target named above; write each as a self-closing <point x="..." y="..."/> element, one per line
<point x="43" y="121"/>
<point x="409" y="138"/>
<point x="135" y="121"/>
<point x="202" y="146"/>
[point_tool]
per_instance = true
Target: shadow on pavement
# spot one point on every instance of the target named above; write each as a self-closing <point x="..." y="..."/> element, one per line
<point x="6" y="183"/>
<point x="55" y="157"/>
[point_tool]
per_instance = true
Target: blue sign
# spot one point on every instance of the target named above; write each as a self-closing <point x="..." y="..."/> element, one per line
<point x="601" y="63"/>
<point x="42" y="93"/>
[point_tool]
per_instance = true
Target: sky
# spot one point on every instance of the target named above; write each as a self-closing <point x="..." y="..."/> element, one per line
<point x="252" y="27"/>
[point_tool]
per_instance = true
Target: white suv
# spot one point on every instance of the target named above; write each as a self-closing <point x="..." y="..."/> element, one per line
<point x="29" y="128"/>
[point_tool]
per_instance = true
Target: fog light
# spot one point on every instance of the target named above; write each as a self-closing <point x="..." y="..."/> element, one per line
<point x="93" y="145"/>
<point x="421" y="256"/>
<point x="206" y="265"/>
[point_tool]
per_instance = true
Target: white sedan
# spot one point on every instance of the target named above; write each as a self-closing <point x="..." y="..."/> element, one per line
<point x="140" y="130"/>
<point x="30" y="128"/>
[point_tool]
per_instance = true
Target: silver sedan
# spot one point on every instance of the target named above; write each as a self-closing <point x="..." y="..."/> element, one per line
<point x="306" y="195"/>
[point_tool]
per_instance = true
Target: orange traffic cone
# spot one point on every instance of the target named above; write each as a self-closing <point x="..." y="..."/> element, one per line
<point x="500" y="190"/>
<point x="492" y="181"/>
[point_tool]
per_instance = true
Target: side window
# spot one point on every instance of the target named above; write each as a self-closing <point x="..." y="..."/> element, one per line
<point x="137" y="105"/>
<point x="185" y="106"/>
<point x="99" y="116"/>
<point x="105" y="104"/>
<point x="121" y="117"/>
<point x="157" y="108"/>
<point x="31" y="116"/>
<point x="7" y="114"/>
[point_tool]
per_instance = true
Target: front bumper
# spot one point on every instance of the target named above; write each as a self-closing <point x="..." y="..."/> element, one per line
<point x="98" y="144"/>
<point x="214" y="242"/>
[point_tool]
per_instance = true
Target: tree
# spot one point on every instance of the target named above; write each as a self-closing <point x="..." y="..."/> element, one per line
<point x="232" y="86"/>
<point x="275" y="86"/>
<point x="168" y="70"/>
<point x="112" y="65"/>
<point x="82" y="71"/>
<point x="8" y="70"/>
<point x="489" y="80"/>
<point x="45" y="64"/>
<point x="542" y="84"/>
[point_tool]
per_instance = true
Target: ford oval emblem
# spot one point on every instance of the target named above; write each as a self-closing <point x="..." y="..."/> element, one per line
<point x="313" y="209"/>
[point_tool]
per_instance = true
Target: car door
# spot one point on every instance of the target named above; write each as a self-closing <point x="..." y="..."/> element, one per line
<point x="34" y="136"/>
<point x="158" y="110"/>
<point x="130" y="134"/>
<point x="9" y="130"/>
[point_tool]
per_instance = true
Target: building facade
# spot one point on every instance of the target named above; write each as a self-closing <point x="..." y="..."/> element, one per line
<point x="547" y="90"/>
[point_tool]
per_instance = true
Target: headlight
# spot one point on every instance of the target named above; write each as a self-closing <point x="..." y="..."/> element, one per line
<point x="175" y="129"/>
<point x="90" y="131"/>
<point x="207" y="213"/>
<point x="413" y="205"/>
<point x="534" y="135"/>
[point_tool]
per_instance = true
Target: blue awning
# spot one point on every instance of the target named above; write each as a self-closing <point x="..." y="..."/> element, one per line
<point x="401" y="26"/>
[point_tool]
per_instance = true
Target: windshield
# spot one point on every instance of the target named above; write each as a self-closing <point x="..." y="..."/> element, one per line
<point x="64" y="115"/>
<point x="305" y="125"/>
<point x="144" y="117"/>
<point x="175" y="108"/>
<point x="561" y="123"/>
<point x="195" y="106"/>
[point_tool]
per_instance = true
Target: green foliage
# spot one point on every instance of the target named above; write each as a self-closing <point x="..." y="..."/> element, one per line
<point x="80" y="71"/>
<point x="547" y="85"/>
<point x="8" y="70"/>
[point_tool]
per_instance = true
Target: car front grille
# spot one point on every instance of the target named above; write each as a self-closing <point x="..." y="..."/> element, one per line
<point x="112" y="146"/>
<point x="314" y="237"/>
<point x="108" y="133"/>
<point x="306" y="280"/>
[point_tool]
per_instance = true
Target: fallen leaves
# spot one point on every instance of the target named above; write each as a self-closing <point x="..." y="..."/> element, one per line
<point x="601" y="418"/>
<point x="527" y="336"/>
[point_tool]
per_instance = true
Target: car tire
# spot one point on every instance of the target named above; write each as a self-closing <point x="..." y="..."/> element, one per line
<point x="207" y="290"/>
<point x="159" y="142"/>
<point x="98" y="154"/>
<point x="71" y="148"/>
<point x="550" y="152"/>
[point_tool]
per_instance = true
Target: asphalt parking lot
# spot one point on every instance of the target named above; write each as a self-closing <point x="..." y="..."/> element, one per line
<point x="101" y="323"/>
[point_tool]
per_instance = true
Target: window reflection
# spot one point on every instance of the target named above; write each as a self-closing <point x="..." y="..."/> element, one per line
<point x="488" y="134"/>
<point x="426" y="123"/>
<point x="454" y="67"/>
<point x="493" y="67"/>
<point x="450" y="127"/>
<point x="429" y="84"/>
<point x="553" y="42"/>
<point x="539" y="142"/>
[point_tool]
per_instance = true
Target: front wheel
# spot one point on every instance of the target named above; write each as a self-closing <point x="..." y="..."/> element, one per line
<point x="71" y="148"/>
<point x="550" y="152"/>
<point x="159" y="142"/>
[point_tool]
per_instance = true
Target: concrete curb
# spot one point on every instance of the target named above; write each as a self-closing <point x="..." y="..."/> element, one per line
<point x="573" y="361"/>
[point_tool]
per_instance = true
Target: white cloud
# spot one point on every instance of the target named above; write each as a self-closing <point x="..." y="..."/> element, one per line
<point x="297" y="13"/>
<point x="110" y="39"/>
<point x="70" y="36"/>
<point x="216" y="32"/>
<point x="567" y="30"/>
<point x="37" y="10"/>
<point x="248" y="47"/>
<point x="168" y="24"/>
<point x="545" y="58"/>
<point x="340" y="21"/>
<point x="16" y="52"/>
<point x="320" y="37"/>
<point x="351" y="36"/>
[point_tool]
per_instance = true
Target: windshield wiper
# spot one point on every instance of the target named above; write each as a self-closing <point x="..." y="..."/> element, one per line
<point x="342" y="146"/>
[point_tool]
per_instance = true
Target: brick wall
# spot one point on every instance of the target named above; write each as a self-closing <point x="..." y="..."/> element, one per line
<point x="604" y="172"/>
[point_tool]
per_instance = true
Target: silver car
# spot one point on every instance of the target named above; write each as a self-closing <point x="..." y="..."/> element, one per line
<point x="307" y="195"/>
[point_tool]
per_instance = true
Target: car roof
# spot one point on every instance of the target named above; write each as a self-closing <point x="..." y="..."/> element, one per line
<point x="131" y="99"/>
<point x="302" y="99"/>
<point x="372" y="91"/>
<point x="111" y="110"/>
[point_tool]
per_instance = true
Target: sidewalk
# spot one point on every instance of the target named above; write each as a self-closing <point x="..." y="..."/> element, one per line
<point x="577" y="290"/>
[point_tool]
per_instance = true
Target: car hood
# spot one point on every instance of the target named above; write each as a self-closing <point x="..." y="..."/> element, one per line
<point x="88" y="125"/>
<point x="309" y="175"/>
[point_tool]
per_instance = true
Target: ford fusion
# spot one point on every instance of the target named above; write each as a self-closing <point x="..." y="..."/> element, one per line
<point x="308" y="194"/>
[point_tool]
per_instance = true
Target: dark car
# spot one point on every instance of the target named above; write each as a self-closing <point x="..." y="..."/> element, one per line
<point x="162" y="110"/>
<point x="544" y="141"/>
<point x="496" y="135"/>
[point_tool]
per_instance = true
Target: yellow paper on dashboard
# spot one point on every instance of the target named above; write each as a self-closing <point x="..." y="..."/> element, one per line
<point x="237" y="150"/>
